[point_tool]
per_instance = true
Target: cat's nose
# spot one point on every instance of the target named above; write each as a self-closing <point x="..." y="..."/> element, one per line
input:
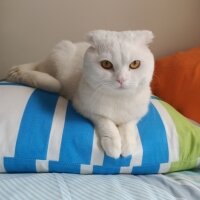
<point x="121" y="81"/>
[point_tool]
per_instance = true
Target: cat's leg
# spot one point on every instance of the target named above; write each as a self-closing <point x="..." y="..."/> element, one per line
<point x="129" y="137"/>
<point x="109" y="136"/>
<point x="28" y="74"/>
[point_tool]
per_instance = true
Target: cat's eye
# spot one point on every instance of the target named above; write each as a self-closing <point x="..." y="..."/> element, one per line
<point x="106" y="64"/>
<point x="135" y="64"/>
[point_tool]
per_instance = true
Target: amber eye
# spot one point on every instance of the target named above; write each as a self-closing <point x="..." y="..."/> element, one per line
<point x="135" y="64"/>
<point x="106" y="64"/>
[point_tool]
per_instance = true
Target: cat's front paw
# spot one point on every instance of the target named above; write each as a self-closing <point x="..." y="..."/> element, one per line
<point x="111" y="146"/>
<point x="19" y="75"/>
<point x="128" y="138"/>
<point x="128" y="147"/>
<point x="14" y="74"/>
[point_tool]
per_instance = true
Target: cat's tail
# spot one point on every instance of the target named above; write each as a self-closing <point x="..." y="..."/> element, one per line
<point x="29" y="74"/>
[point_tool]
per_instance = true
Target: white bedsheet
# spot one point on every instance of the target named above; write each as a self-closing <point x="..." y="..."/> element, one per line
<point x="52" y="186"/>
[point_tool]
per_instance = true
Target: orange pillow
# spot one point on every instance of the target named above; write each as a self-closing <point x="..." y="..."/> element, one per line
<point x="177" y="81"/>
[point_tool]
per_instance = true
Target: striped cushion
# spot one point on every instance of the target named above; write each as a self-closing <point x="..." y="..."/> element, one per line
<point x="41" y="132"/>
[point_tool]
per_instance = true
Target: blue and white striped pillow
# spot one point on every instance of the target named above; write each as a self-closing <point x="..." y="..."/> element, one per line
<point x="41" y="132"/>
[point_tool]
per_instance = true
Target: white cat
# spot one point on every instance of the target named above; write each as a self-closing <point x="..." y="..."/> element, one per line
<point x="108" y="80"/>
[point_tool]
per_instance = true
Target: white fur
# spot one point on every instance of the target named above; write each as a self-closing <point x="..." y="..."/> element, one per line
<point x="115" y="100"/>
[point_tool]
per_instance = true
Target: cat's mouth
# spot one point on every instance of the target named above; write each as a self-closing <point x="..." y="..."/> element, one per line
<point x="122" y="87"/>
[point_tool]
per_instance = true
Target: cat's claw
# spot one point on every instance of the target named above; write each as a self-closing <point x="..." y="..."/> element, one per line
<point x="111" y="146"/>
<point x="128" y="148"/>
<point x="14" y="74"/>
<point x="18" y="75"/>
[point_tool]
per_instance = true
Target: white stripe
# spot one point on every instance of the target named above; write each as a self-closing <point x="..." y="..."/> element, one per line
<point x="2" y="169"/>
<point x="171" y="133"/>
<point x="97" y="152"/>
<point x="57" y="130"/>
<point x="138" y="154"/>
<point x="126" y="170"/>
<point x="13" y="100"/>
<point x="42" y="166"/>
<point x="164" y="167"/>
<point x="86" y="169"/>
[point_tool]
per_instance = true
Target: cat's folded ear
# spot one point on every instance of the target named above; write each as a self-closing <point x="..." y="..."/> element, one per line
<point x="145" y="36"/>
<point x="93" y="37"/>
<point x="142" y="37"/>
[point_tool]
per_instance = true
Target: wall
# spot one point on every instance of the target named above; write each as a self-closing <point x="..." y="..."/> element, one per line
<point x="30" y="28"/>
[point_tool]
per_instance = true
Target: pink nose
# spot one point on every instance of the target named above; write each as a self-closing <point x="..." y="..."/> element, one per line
<point x="121" y="81"/>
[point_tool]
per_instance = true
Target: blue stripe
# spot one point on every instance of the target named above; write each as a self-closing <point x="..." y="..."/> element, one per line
<point x="14" y="165"/>
<point x="154" y="142"/>
<point x="77" y="139"/>
<point x="111" y="165"/>
<point x="122" y="161"/>
<point x="106" y="170"/>
<point x="33" y="136"/>
<point x="59" y="167"/>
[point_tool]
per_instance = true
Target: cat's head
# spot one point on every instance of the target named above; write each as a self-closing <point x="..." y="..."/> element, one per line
<point x="118" y="61"/>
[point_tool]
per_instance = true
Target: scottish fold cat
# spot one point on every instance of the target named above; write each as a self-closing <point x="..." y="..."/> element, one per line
<point x="107" y="78"/>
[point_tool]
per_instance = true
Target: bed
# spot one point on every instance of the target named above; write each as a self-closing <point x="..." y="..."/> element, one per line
<point x="183" y="185"/>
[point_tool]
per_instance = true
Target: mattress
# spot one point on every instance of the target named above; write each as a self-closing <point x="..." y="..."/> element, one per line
<point x="54" y="186"/>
